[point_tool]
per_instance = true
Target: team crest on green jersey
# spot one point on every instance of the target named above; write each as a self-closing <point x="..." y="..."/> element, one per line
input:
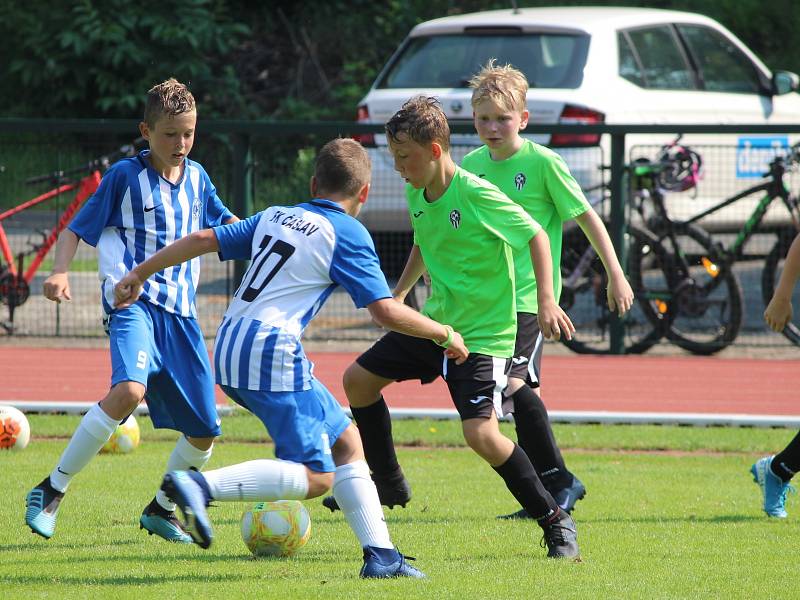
<point x="519" y="181"/>
<point x="455" y="218"/>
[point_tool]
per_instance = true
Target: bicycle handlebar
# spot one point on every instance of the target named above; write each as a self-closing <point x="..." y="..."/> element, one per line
<point x="100" y="163"/>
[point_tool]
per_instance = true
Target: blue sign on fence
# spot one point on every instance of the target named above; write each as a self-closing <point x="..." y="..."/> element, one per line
<point x="753" y="154"/>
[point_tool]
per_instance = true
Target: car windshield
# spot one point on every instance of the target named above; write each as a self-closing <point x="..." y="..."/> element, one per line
<point x="448" y="61"/>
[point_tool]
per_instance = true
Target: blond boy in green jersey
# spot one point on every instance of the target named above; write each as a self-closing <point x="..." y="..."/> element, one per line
<point x="539" y="181"/>
<point x="464" y="229"/>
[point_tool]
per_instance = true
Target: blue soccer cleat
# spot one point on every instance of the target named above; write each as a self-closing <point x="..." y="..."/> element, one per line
<point x="565" y="497"/>
<point x="182" y="488"/>
<point x="157" y="520"/>
<point x="42" y="504"/>
<point x="383" y="563"/>
<point x="773" y="488"/>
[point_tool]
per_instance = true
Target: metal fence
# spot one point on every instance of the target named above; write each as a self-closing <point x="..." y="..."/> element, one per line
<point x="255" y="165"/>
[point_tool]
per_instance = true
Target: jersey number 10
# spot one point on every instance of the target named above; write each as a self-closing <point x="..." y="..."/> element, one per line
<point x="280" y="248"/>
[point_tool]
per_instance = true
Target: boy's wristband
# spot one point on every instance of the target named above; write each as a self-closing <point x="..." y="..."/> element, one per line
<point x="446" y="344"/>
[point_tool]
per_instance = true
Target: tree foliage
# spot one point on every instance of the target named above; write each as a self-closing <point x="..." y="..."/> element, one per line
<point x="288" y="59"/>
<point x="94" y="58"/>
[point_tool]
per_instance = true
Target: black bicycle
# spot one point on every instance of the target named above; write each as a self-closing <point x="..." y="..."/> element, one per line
<point x="583" y="292"/>
<point x="704" y="313"/>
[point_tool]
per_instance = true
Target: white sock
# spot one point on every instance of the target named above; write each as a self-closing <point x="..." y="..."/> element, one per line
<point x="357" y="496"/>
<point x="94" y="430"/>
<point x="258" y="480"/>
<point x="184" y="456"/>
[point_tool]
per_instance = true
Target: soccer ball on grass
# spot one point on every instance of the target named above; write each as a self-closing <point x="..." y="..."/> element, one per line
<point x="125" y="438"/>
<point x="278" y="528"/>
<point x="15" y="431"/>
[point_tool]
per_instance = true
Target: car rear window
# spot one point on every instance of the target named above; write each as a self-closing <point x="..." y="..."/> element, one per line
<point x="448" y="61"/>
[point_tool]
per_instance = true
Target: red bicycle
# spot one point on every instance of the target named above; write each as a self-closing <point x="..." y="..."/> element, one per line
<point x="15" y="279"/>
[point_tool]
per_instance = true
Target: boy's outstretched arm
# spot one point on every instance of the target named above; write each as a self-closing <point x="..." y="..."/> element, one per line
<point x="619" y="292"/>
<point x="413" y="270"/>
<point x="553" y="321"/>
<point x="779" y="310"/>
<point x="398" y="317"/>
<point x="195" y="244"/>
<point x="56" y="287"/>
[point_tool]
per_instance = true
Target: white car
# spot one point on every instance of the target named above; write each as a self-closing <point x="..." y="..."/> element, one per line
<point x="590" y="65"/>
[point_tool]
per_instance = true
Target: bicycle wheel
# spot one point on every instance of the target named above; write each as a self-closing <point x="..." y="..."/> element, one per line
<point x="583" y="294"/>
<point x="705" y="311"/>
<point x="773" y="267"/>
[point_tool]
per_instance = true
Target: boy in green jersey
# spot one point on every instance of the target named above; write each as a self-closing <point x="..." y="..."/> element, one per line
<point x="539" y="181"/>
<point x="464" y="230"/>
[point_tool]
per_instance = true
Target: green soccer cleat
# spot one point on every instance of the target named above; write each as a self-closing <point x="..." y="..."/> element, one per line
<point x="42" y="504"/>
<point x="157" y="520"/>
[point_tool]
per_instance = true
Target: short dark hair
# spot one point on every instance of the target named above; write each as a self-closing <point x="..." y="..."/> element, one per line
<point x="342" y="167"/>
<point x="422" y="119"/>
<point x="168" y="98"/>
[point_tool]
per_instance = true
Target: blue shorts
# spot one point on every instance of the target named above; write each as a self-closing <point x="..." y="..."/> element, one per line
<point x="167" y="354"/>
<point x="304" y="425"/>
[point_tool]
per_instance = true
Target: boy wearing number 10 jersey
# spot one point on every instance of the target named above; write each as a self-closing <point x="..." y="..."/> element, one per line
<point x="300" y="254"/>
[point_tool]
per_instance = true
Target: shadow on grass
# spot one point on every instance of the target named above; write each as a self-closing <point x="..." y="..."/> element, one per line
<point x="53" y="545"/>
<point x="191" y="554"/>
<point x="120" y="580"/>
<point x="720" y="519"/>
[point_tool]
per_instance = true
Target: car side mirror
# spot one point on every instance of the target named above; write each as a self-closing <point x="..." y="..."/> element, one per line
<point x="784" y="82"/>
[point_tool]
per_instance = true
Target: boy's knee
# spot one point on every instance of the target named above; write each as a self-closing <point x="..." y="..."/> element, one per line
<point x="487" y="441"/>
<point x="362" y="387"/>
<point x="318" y="483"/>
<point x="123" y="399"/>
<point x="203" y="444"/>
<point x="353" y="377"/>
<point x="514" y="384"/>
<point x="348" y="447"/>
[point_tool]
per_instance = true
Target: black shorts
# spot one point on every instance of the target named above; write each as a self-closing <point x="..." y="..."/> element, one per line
<point x="475" y="386"/>
<point x="527" y="361"/>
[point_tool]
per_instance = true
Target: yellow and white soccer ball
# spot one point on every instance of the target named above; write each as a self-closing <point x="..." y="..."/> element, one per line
<point x="15" y="431"/>
<point x="125" y="438"/>
<point x="278" y="528"/>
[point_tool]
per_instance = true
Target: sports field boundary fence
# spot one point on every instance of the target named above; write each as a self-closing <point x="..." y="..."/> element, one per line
<point x="257" y="163"/>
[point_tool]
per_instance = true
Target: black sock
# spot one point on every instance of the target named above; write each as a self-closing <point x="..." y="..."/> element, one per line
<point x="535" y="436"/>
<point x="523" y="482"/>
<point x="787" y="462"/>
<point x="375" y="429"/>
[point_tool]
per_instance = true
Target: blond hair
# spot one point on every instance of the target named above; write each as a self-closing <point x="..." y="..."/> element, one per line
<point x="168" y="98"/>
<point x="342" y="167"/>
<point x="422" y="119"/>
<point x="505" y="85"/>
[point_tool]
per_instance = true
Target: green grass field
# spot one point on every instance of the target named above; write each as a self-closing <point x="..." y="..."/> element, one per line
<point x="671" y="512"/>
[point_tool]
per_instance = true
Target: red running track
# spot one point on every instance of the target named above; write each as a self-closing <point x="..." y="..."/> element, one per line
<point x="657" y="384"/>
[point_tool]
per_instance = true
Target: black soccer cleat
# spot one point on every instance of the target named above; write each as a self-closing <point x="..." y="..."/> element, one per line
<point x="157" y="520"/>
<point x="560" y="537"/>
<point x="392" y="491"/>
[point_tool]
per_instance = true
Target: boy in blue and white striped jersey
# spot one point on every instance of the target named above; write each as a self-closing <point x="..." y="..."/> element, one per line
<point x="300" y="254"/>
<point x="157" y="349"/>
